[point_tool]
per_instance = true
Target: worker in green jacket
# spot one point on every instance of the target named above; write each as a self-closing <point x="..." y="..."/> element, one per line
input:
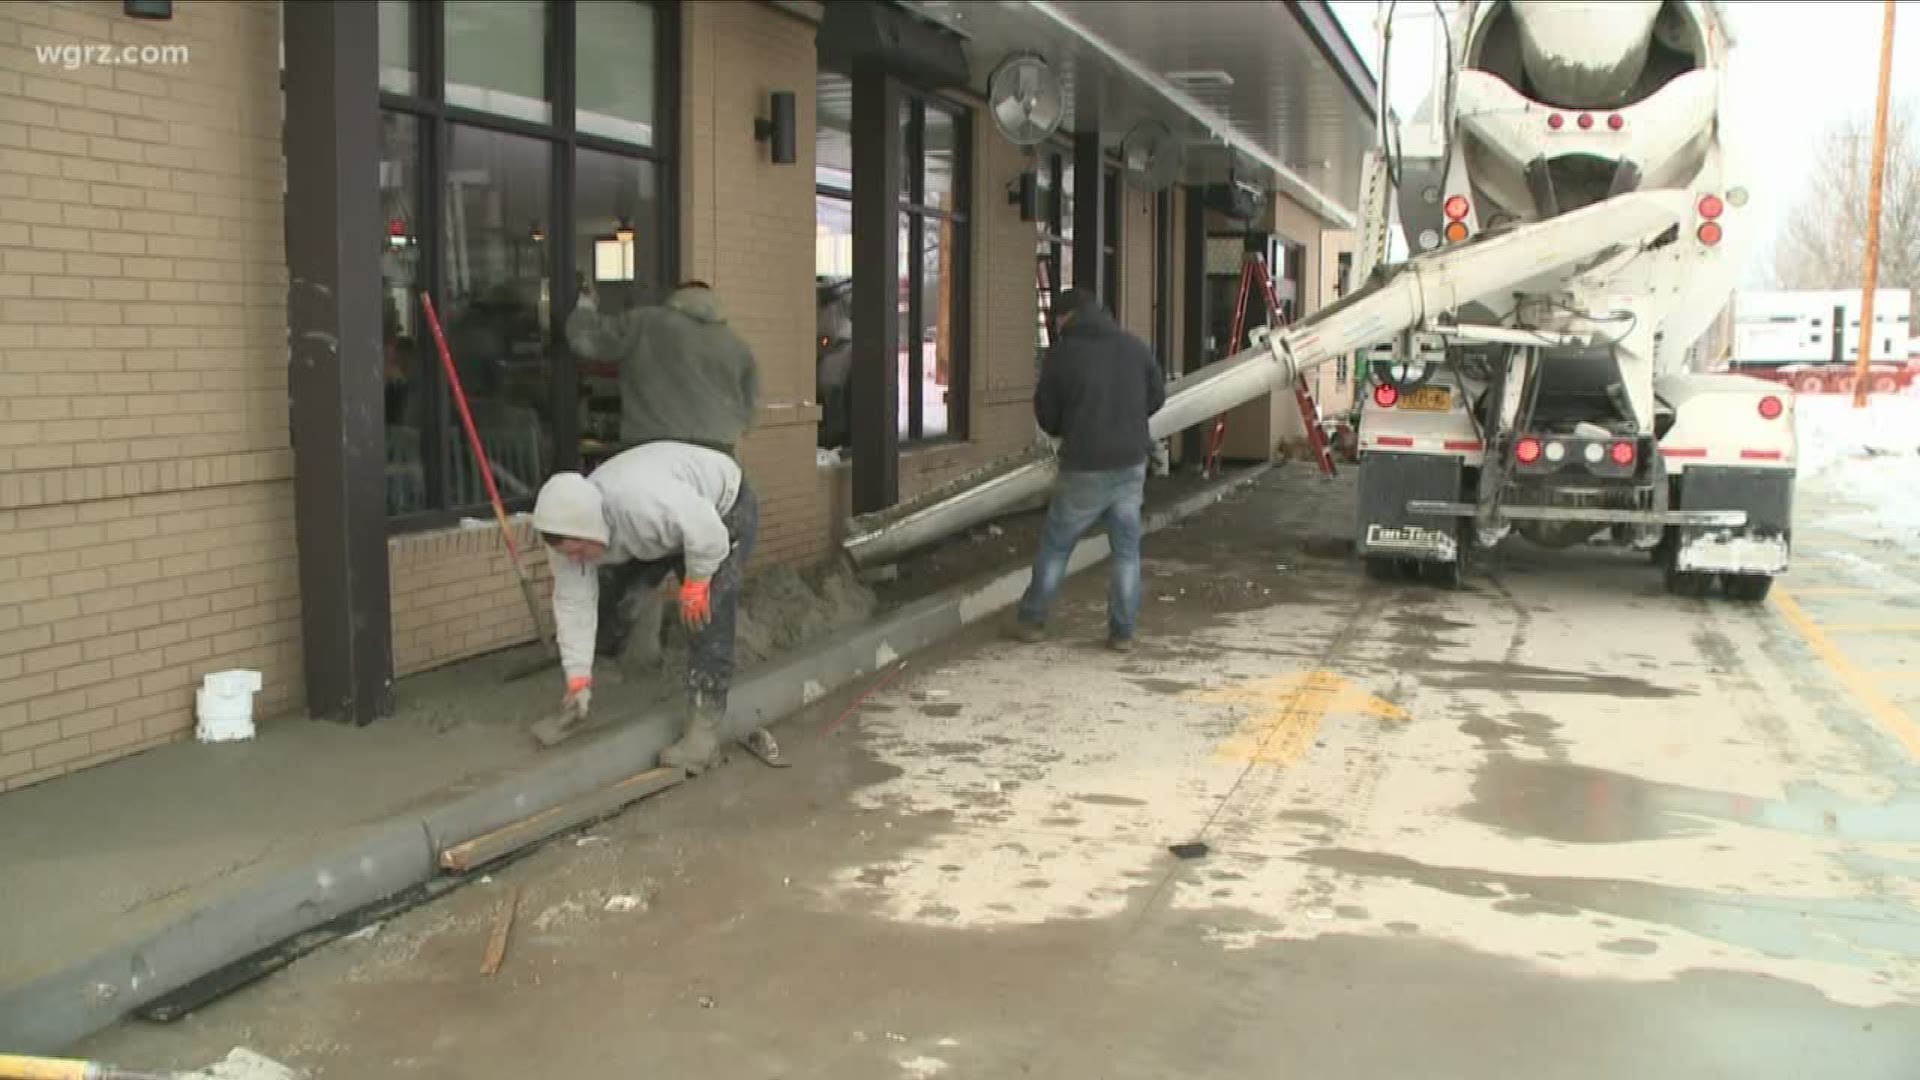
<point x="685" y="375"/>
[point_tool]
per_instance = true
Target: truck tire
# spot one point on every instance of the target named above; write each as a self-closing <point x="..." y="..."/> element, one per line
<point x="1443" y="575"/>
<point x="1811" y="384"/>
<point x="1689" y="585"/>
<point x="1749" y="588"/>
<point x="1383" y="568"/>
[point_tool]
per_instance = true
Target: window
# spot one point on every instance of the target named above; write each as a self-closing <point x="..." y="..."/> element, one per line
<point x="833" y="257"/>
<point x="1053" y="251"/>
<point x="933" y="270"/>
<point x="497" y="57"/>
<point x="502" y="208"/>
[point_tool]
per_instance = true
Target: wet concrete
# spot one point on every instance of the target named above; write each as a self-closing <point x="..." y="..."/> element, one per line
<point x="1543" y="859"/>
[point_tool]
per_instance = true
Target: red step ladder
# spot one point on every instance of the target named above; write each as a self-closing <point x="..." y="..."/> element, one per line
<point x="1255" y="267"/>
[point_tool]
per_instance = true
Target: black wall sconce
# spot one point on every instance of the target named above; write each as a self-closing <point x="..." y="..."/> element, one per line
<point x="782" y="130"/>
<point x="148" y="9"/>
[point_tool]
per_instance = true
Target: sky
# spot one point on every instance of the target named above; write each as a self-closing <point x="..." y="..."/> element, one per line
<point x="1797" y="68"/>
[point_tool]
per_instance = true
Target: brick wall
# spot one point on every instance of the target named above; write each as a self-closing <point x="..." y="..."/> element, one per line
<point x="1136" y="261"/>
<point x="455" y="594"/>
<point x="146" y="532"/>
<point x="747" y="229"/>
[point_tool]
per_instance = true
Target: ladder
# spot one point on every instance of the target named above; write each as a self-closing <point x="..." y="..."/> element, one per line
<point x="1255" y="268"/>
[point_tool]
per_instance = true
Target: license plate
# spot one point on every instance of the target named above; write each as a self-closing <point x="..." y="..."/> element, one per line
<point x="1428" y="399"/>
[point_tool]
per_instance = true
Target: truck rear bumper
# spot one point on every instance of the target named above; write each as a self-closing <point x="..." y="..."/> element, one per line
<point x="1723" y="519"/>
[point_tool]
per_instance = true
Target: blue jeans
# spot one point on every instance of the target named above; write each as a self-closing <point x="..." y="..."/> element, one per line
<point x="1079" y="500"/>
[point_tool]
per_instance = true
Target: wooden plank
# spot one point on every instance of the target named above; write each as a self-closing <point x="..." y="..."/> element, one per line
<point x="490" y="846"/>
<point x="497" y="941"/>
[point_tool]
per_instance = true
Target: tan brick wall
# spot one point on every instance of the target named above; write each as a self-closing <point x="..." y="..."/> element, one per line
<point x="747" y="229"/>
<point x="146" y="518"/>
<point x="455" y="594"/>
<point x="1136" y="260"/>
<point x="1334" y="393"/>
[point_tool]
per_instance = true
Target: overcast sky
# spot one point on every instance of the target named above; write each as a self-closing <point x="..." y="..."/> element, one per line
<point x="1797" y="68"/>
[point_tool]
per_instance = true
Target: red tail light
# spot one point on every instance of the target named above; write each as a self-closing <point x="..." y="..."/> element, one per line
<point x="1711" y="207"/>
<point x="1710" y="233"/>
<point x="1527" y="451"/>
<point x="1622" y="453"/>
<point x="1771" y="408"/>
<point x="1457" y="207"/>
<point x="1616" y="122"/>
<point x="1556" y="121"/>
<point x="1385" y="395"/>
<point x="1586" y="121"/>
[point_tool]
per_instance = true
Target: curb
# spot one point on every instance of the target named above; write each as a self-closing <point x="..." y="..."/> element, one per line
<point x="51" y="1013"/>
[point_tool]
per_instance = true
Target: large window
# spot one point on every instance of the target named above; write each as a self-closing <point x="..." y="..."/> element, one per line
<point x="523" y="164"/>
<point x="833" y="257"/>
<point x="933" y="270"/>
<point x="930" y="280"/>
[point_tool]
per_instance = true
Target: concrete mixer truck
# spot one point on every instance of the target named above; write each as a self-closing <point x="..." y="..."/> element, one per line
<point x="1573" y="221"/>
<point x="1563" y="407"/>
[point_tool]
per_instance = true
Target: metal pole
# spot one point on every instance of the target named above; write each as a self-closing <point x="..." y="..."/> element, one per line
<point x="1874" y="182"/>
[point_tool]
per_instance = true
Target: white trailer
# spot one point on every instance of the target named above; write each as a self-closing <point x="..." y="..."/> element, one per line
<point x="1563" y="408"/>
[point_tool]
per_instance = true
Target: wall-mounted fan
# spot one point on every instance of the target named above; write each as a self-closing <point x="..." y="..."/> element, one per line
<point x="1152" y="155"/>
<point x="1026" y="99"/>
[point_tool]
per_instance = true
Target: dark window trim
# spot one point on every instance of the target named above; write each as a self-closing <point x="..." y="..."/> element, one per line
<point x="436" y="118"/>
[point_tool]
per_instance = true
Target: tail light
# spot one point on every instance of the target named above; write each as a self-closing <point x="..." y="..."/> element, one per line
<point x="1710" y="233"/>
<point x="1556" y="121"/>
<point x="1616" y="122"/>
<point x="1456" y="231"/>
<point x="1385" y="395"/>
<point x="1586" y="121"/>
<point x="1622" y="453"/>
<point x="1711" y="207"/>
<point x="1771" y="407"/>
<point x="1527" y="451"/>
<point x="1457" y="207"/>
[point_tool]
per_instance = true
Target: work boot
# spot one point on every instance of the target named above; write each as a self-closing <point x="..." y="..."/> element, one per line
<point x="1023" y="631"/>
<point x="699" y="749"/>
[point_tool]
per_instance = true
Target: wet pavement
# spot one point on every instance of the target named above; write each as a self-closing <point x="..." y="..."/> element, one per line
<point x="1558" y="824"/>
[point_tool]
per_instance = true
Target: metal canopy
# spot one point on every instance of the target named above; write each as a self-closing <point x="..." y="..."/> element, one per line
<point x="1273" y="90"/>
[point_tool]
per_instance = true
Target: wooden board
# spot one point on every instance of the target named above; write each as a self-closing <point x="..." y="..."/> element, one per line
<point x="490" y="846"/>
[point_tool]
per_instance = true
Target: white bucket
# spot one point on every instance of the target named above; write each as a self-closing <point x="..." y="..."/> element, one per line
<point x="224" y="704"/>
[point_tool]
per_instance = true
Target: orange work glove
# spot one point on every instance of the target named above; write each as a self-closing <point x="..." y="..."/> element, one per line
<point x="696" y="607"/>
<point x="579" y="694"/>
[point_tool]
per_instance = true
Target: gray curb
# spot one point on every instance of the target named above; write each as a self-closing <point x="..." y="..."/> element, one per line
<point x="50" y="1014"/>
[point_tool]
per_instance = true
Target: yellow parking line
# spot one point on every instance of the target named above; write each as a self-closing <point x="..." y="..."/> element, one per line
<point x="1889" y="715"/>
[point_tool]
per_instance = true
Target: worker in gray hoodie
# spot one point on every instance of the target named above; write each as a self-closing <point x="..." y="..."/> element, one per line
<point x="659" y="509"/>
<point x="685" y="375"/>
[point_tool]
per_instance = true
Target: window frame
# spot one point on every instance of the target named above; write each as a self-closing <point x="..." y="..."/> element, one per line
<point x="436" y="118"/>
<point x="912" y="210"/>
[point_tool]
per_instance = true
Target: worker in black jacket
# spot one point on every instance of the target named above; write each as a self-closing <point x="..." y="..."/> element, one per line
<point x="1098" y="386"/>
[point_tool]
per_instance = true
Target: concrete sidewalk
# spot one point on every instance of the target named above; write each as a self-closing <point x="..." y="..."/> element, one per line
<point x="126" y="882"/>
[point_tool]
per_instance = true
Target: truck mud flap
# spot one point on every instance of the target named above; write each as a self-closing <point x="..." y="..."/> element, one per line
<point x="1761" y="546"/>
<point x="1389" y="485"/>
